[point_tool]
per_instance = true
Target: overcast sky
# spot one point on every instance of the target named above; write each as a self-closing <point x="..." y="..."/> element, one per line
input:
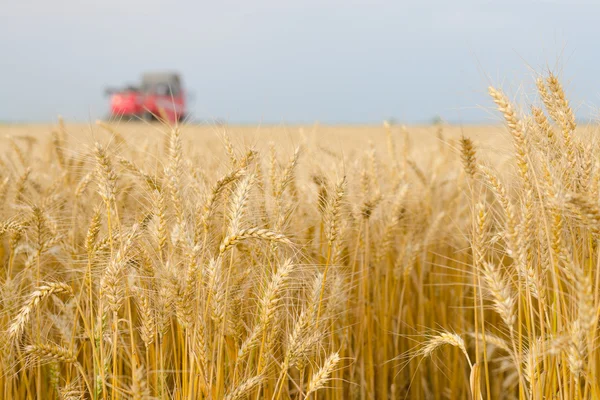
<point x="296" y="61"/>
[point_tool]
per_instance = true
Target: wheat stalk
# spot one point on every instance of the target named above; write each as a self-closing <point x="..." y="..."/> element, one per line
<point x="49" y="352"/>
<point x="322" y="375"/>
<point x="38" y="296"/>
<point x="252" y="233"/>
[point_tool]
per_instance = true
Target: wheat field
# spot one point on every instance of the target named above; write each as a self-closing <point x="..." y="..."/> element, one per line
<point x="148" y="261"/>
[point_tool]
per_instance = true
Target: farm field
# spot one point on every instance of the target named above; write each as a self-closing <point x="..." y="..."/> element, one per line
<point x="339" y="138"/>
<point x="302" y="262"/>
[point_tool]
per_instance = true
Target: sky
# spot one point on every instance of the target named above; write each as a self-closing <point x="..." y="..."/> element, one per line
<point x="267" y="61"/>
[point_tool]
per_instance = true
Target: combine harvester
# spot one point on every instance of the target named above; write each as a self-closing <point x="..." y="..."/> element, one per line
<point x="160" y="95"/>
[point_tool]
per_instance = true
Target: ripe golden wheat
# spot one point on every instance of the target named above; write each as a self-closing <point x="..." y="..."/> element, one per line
<point x="174" y="271"/>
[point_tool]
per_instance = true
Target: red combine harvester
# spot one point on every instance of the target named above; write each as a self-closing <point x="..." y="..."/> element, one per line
<point x="159" y="92"/>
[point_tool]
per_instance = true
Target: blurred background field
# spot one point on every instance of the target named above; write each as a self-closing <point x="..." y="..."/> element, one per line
<point x="347" y="140"/>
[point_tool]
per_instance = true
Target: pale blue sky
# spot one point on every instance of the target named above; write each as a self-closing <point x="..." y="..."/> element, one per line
<point x="281" y="61"/>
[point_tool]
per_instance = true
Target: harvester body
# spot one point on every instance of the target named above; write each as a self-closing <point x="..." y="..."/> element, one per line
<point x="160" y="94"/>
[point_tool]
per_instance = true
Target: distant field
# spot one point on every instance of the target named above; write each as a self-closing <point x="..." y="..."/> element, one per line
<point x="347" y="140"/>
